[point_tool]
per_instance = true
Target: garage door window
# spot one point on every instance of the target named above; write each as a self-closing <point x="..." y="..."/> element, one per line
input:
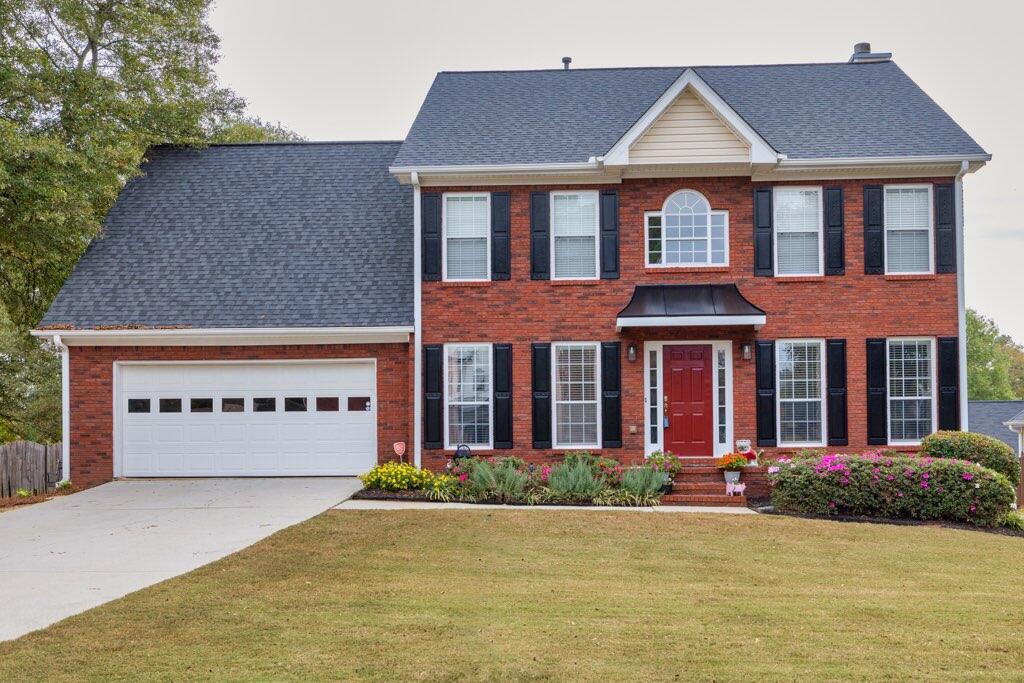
<point x="295" y="404"/>
<point x="232" y="405"/>
<point x="358" y="403"/>
<point x="327" y="404"/>
<point x="264" y="405"/>
<point x="201" y="405"/>
<point x="138" y="405"/>
<point x="170" y="405"/>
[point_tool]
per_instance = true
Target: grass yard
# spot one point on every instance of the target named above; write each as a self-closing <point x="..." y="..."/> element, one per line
<point x="555" y="595"/>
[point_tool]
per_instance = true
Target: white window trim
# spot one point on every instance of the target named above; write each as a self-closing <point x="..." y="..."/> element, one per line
<point x="444" y="236"/>
<point x="555" y="444"/>
<point x="823" y="395"/>
<point x="706" y="264"/>
<point x="448" y="445"/>
<point x="888" y="393"/>
<point x="716" y="346"/>
<point x="931" y="230"/>
<point x="821" y="229"/>
<point x="597" y="231"/>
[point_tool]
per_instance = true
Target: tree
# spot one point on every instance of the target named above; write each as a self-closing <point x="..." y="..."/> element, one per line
<point x="252" y="129"/>
<point x="995" y="364"/>
<point x="30" y="396"/>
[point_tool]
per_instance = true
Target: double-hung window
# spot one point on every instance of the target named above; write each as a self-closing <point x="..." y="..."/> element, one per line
<point x="908" y="229"/>
<point x="801" y="379"/>
<point x="798" y="232"/>
<point x="911" y="389"/>
<point x="574" y="243"/>
<point x="467" y="229"/>
<point x="577" y="391"/>
<point x="687" y="233"/>
<point x="468" y="396"/>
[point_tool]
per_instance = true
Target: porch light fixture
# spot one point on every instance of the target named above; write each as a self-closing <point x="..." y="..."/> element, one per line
<point x="746" y="349"/>
<point x="631" y="353"/>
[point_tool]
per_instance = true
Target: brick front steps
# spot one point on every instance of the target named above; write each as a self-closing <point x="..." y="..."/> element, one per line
<point x="701" y="483"/>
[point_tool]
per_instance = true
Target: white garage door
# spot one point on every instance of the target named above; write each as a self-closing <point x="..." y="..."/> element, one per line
<point x="247" y="419"/>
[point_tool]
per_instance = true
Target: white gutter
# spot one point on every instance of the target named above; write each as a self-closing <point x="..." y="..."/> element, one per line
<point x="229" y="336"/>
<point x="417" y="320"/>
<point x="470" y="169"/>
<point x="691" y="321"/>
<point x="958" y="198"/>
<point x="65" y="407"/>
<point x="883" y="161"/>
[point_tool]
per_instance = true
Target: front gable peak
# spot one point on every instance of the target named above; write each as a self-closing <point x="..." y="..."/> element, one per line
<point x="690" y="124"/>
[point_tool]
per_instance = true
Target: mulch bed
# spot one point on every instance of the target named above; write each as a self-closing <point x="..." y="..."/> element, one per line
<point x="855" y="519"/>
<point x="419" y="496"/>
<point x="17" y="501"/>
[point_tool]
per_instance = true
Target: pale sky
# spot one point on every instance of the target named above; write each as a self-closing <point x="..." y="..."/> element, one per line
<point x="340" y="70"/>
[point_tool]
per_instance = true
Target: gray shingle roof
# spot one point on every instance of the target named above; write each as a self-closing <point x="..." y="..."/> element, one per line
<point x="274" y="235"/>
<point x="802" y="110"/>
<point x="987" y="417"/>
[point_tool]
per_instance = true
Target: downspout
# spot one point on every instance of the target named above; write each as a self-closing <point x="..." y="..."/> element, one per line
<point x="65" y="407"/>
<point x="958" y="194"/>
<point x="417" y="316"/>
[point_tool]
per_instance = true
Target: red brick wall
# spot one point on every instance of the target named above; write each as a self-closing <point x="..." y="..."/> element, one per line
<point x="92" y="392"/>
<point x="522" y="311"/>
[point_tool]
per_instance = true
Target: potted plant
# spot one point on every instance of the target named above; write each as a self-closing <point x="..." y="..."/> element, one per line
<point x="732" y="465"/>
<point x="669" y="463"/>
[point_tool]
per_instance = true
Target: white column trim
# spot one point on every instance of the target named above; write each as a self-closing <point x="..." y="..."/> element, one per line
<point x="65" y="407"/>
<point x="958" y="212"/>
<point x="417" y="363"/>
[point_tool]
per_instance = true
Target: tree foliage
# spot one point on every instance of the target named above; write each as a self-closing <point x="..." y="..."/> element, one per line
<point x="995" y="364"/>
<point x="86" y="86"/>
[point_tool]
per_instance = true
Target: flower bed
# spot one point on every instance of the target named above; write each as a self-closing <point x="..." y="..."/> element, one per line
<point x="579" y="479"/>
<point x="887" y="485"/>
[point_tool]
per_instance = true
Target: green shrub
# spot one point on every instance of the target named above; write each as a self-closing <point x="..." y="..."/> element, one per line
<point x="1014" y="520"/>
<point x="502" y="481"/>
<point x="990" y="452"/>
<point x="396" y="476"/>
<point x="642" y="485"/>
<point x="574" y="481"/>
<point x="881" y="485"/>
<point x="24" y="493"/>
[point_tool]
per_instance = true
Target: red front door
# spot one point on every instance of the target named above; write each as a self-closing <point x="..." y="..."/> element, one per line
<point x="688" y="404"/>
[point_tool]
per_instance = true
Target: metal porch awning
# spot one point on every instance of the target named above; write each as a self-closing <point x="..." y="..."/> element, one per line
<point x="689" y="306"/>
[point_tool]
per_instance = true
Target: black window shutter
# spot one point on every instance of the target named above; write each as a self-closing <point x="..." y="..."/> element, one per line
<point x="433" y="396"/>
<point x="540" y="236"/>
<point x="611" y="395"/>
<point x="503" y="396"/>
<point x="501" y="227"/>
<point x="949" y="383"/>
<point x="835" y="247"/>
<point x="766" y="394"/>
<point x="541" y="395"/>
<point x="874" y="228"/>
<point x="945" y="229"/>
<point x="430" y="227"/>
<point x="836" y="374"/>
<point x="609" y="235"/>
<point x="878" y="409"/>
<point x="764" y="265"/>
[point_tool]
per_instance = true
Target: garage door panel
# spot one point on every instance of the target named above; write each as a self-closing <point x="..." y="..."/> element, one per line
<point x="247" y="443"/>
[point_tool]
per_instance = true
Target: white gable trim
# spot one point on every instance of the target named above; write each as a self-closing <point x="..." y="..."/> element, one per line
<point x="760" y="151"/>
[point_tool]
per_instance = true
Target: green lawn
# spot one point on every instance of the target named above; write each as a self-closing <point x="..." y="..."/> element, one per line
<point x="555" y="595"/>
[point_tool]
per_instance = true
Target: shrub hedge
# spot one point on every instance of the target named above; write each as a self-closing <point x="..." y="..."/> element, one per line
<point x="884" y="485"/>
<point x="980" y="448"/>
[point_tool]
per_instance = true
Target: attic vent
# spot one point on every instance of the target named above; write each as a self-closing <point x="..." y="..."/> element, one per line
<point x="862" y="54"/>
<point x="566" y="61"/>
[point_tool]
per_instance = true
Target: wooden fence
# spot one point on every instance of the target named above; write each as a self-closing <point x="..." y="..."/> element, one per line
<point x="28" y="465"/>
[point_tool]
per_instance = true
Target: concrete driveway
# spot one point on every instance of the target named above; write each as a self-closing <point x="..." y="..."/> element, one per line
<point x="69" y="554"/>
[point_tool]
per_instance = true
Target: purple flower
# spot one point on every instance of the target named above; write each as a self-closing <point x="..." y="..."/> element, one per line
<point x="968" y="476"/>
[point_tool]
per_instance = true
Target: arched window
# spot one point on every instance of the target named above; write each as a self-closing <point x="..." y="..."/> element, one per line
<point x="687" y="232"/>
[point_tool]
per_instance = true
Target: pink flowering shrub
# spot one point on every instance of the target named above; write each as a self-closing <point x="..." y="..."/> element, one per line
<point x="984" y="450"/>
<point x="878" y="484"/>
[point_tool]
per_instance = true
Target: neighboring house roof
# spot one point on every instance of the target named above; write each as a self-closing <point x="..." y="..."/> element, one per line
<point x="262" y="235"/>
<point x="990" y="417"/>
<point x="805" y="111"/>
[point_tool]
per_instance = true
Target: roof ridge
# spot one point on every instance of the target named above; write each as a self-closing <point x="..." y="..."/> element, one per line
<point x="646" y="68"/>
<point x="283" y="143"/>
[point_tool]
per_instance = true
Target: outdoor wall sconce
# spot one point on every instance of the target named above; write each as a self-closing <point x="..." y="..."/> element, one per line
<point x="631" y="353"/>
<point x="746" y="349"/>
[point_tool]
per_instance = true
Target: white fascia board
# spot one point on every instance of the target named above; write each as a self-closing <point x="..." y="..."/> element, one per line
<point x="760" y="151"/>
<point x="692" y="321"/>
<point x="230" y="336"/>
<point x="404" y="173"/>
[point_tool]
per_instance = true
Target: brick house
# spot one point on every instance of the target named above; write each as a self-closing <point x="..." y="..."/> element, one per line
<point x="617" y="260"/>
